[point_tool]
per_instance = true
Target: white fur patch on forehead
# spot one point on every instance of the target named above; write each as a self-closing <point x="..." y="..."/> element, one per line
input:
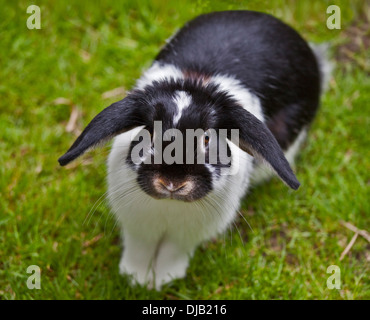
<point x="158" y="72"/>
<point x="228" y="84"/>
<point x="182" y="100"/>
<point x="236" y="90"/>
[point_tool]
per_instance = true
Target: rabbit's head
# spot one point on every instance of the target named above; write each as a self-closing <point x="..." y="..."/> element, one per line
<point x="188" y="131"/>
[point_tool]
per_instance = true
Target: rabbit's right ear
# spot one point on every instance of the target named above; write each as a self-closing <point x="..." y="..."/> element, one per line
<point x="119" y="117"/>
<point x="257" y="139"/>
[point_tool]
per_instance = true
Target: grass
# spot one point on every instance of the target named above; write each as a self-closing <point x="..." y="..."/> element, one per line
<point x="84" y="50"/>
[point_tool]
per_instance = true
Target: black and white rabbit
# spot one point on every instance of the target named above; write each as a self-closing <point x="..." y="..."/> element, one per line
<point x="224" y="70"/>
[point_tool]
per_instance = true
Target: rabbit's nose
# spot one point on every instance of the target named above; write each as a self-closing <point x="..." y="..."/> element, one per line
<point x="172" y="187"/>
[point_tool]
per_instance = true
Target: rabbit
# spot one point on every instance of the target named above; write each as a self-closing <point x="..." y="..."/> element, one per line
<point x="240" y="70"/>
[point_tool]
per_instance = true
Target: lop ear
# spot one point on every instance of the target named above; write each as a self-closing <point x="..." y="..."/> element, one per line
<point x="256" y="139"/>
<point x="119" y="117"/>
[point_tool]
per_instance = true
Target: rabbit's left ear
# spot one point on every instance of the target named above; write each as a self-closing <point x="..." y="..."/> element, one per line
<point x="119" y="117"/>
<point x="256" y="139"/>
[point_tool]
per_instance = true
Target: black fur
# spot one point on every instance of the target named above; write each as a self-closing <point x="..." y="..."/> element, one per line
<point x="267" y="56"/>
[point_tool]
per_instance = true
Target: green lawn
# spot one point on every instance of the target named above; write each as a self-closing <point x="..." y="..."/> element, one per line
<point x="54" y="217"/>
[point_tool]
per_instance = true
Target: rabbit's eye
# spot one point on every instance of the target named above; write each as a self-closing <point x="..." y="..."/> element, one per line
<point x="206" y="139"/>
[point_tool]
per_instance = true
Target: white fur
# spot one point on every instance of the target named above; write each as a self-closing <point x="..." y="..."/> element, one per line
<point x="246" y="99"/>
<point x="158" y="72"/>
<point x="326" y="66"/>
<point x="182" y="100"/>
<point x="292" y="151"/>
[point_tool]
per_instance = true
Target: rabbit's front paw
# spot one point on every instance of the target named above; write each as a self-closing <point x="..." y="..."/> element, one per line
<point x="139" y="274"/>
<point x="171" y="263"/>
